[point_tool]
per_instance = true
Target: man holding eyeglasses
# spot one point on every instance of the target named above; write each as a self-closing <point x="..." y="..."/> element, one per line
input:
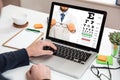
<point x="63" y="23"/>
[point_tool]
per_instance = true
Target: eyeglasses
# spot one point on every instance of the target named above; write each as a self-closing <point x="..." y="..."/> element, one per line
<point x="101" y="76"/>
<point x="58" y="24"/>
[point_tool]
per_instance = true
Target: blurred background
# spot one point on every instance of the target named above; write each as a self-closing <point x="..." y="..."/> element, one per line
<point x="113" y="17"/>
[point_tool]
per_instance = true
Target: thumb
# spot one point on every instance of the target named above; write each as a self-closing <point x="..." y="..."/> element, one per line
<point x="28" y="75"/>
<point x="47" y="52"/>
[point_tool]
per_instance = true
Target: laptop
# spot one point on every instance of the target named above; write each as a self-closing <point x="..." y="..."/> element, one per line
<point x="77" y="37"/>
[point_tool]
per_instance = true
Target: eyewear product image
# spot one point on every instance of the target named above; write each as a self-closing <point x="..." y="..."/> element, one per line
<point x="101" y="76"/>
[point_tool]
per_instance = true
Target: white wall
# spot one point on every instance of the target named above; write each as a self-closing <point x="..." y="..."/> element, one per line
<point x="113" y="18"/>
<point x="13" y="2"/>
<point x="108" y="2"/>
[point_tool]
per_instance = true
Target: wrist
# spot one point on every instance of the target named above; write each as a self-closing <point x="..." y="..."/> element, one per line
<point x="29" y="52"/>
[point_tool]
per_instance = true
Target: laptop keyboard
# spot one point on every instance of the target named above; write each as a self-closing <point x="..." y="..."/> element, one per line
<point x="72" y="54"/>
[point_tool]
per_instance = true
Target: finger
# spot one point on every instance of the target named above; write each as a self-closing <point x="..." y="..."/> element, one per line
<point x="46" y="52"/>
<point x="49" y="43"/>
<point x="41" y="65"/>
<point x="33" y="68"/>
<point x="44" y="67"/>
<point x="48" y="70"/>
<point x="28" y="75"/>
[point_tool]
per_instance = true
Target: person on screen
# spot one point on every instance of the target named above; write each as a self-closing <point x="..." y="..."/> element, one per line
<point x="62" y="23"/>
<point x="18" y="58"/>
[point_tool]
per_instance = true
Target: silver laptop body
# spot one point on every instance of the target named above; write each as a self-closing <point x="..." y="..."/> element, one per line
<point x="87" y="37"/>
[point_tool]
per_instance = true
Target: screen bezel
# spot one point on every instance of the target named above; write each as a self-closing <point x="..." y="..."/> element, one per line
<point x="74" y="44"/>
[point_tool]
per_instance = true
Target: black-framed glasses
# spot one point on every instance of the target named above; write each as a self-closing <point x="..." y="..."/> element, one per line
<point x="58" y="24"/>
<point x="101" y="76"/>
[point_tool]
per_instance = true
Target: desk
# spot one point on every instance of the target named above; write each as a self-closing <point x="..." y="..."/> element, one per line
<point x="7" y="30"/>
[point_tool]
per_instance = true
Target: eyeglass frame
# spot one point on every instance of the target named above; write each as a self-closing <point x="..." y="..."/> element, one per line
<point x="100" y="74"/>
<point x="61" y="25"/>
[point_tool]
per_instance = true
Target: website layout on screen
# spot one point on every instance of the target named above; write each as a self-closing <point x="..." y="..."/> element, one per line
<point x="76" y="26"/>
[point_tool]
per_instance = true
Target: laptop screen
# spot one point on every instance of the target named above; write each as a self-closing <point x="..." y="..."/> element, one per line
<point x="77" y="26"/>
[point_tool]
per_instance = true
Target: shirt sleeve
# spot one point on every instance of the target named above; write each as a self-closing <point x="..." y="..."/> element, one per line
<point x="10" y="60"/>
<point x="2" y="77"/>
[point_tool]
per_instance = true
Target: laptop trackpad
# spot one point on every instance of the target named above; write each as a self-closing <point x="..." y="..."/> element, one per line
<point x="59" y="64"/>
<point x="51" y="61"/>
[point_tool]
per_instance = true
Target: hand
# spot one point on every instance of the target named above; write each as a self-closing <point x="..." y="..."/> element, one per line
<point x="38" y="72"/>
<point x="71" y="27"/>
<point x="36" y="49"/>
<point x="53" y="22"/>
